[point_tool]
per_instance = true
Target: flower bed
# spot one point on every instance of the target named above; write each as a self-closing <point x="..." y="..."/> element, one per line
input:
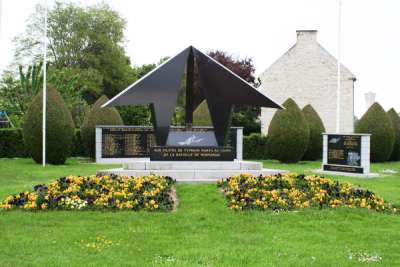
<point x="292" y="191"/>
<point x="97" y="192"/>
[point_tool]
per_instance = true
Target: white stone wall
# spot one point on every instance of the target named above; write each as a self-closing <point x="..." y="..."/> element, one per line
<point x="308" y="74"/>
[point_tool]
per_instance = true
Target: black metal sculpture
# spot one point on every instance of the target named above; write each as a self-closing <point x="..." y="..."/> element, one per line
<point x="220" y="87"/>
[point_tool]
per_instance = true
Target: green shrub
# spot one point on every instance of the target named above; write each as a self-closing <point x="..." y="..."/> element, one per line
<point x="97" y="116"/>
<point x="316" y="126"/>
<point x="59" y="128"/>
<point x="255" y="146"/>
<point x="288" y="133"/>
<point x="377" y="122"/>
<point x="394" y="117"/>
<point x="78" y="149"/>
<point x="11" y="143"/>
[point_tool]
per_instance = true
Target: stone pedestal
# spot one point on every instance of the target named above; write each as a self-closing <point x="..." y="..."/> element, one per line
<point x="192" y="171"/>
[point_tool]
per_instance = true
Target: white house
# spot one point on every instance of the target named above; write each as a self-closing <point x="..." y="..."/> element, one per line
<point x="307" y="72"/>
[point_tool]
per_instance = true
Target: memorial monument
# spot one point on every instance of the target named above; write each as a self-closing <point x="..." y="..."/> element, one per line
<point x="346" y="153"/>
<point x="190" y="152"/>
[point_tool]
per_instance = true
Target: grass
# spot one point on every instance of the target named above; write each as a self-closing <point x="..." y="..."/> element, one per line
<point x="202" y="232"/>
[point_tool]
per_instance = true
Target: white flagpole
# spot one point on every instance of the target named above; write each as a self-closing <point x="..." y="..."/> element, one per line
<point x="1" y="16"/>
<point x="338" y="92"/>
<point x="44" y="87"/>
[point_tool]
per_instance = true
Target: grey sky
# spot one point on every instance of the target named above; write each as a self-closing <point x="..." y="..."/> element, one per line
<point x="262" y="30"/>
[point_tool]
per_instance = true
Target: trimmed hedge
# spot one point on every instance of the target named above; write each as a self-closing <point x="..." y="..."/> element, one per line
<point x="288" y="133"/>
<point x="316" y="126"/>
<point x="97" y="116"/>
<point x="11" y="143"/>
<point x="377" y="122"/>
<point x="78" y="149"/>
<point x="255" y="146"/>
<point x="394" y="117"/>
<point x="59" y="126"/>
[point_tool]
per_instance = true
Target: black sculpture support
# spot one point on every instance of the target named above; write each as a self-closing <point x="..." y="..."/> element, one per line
<point x="220" y="87"/>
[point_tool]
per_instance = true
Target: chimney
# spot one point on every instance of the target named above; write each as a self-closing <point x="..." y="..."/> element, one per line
<point x="306" y="36"/>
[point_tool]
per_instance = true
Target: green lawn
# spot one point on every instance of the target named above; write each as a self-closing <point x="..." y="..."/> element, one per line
<point x="202" y="232"/>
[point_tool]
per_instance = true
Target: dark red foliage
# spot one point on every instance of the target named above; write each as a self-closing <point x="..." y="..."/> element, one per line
<point x="242" y="67"/>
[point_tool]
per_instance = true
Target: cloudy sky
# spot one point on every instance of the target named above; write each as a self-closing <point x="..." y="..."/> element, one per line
<point x="262" y="30"/>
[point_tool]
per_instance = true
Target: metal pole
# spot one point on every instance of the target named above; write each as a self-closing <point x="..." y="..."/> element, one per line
<point x="338" y="68"/>
<point x="1" y="16"/>
<point x="44" y="87"/>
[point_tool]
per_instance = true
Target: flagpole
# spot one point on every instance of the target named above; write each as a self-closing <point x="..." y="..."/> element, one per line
<point x="44" y="87"/>
<point x="338" y="92"/>
<point x="1" y="16"/>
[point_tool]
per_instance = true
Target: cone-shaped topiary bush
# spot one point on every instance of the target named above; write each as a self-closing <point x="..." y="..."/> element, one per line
<point x="376" y="122"/>
<point x="396" y="127"/>
<point x="97" y="116"/>
<point x="59" y="128"/>
<point x="316" y="126"/>
<point x="288" y="133"/>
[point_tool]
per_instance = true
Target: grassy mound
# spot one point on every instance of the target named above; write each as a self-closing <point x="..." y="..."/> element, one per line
<point x="292" y="191"/>
<point x="97" y="192"/>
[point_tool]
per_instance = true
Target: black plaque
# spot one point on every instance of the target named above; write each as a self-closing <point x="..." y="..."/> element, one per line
<point x="137" y="141"/>
<point x="341" y="168"/>
<point x="127" y="142"/>
<point x="344" y="153"/>
<point x="170" y="153"/>
<point x="344" y="150"/>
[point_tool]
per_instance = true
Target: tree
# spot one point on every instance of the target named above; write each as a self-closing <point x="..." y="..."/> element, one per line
<point x="98" y="116"/>
<point x="394" y="117"/>
<point x="93" y="45"/>
<point x="377" y="122"/>
<point x="68" y="83"/>
<point x="32" y="80"/>
<point x="12" y="99"/>
<point x="288" y="133"/>
<point x="16" y="95"/>
<point x="144" y="69"/>
<point x="59" y="125"/>
<point x="316" y="126"/>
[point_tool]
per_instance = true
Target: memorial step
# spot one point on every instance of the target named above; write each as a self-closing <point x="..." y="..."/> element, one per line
<point x="192" y="165"/>
<point x="191" y="175"/>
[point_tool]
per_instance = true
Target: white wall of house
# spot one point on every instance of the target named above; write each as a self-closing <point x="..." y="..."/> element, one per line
<point x="308" y="74"/>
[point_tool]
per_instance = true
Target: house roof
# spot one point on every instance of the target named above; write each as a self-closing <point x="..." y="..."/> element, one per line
<point x="305" y="38"/>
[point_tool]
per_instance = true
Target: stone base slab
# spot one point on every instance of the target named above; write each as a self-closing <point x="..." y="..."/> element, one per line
<point x="350" y="174"/>
<point x="193" y="165"/>
<point x="193" y="175"/>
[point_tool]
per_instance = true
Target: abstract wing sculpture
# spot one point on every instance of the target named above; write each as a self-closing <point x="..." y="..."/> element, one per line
<point x="221" y="88"/>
